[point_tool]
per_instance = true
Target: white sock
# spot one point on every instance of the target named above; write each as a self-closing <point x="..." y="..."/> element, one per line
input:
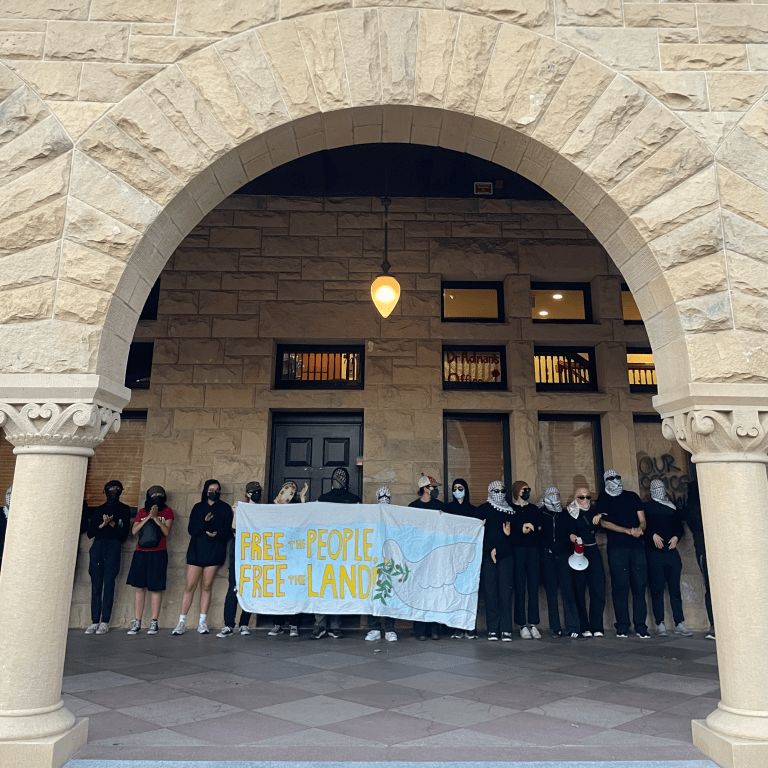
<point x="203" y="617"/>
<point x="183" y="618"/>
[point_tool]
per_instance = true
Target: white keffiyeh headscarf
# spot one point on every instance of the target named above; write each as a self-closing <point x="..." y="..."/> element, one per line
<point x="7" y="506"/>
<point x="383" y="495"/>
<point x="551" y="500"/>
<point x="497" y="497"/>
<point x="659" y="493"/>
<point x="613" y="484"/>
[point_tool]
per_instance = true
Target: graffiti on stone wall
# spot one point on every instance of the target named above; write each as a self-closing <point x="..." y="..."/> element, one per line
<point x="663" y="468"/>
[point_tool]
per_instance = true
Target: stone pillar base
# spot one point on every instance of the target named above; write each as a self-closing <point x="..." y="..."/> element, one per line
<point x="48" y="752"/>
<point x="728" y="751"/>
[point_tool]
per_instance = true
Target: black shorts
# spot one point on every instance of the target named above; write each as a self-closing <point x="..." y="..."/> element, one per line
<point x="148" y="570"/>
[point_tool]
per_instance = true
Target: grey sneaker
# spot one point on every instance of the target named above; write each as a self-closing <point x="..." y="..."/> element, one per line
<point x="661" y="630"/>
<point x="225" y="632"/>
<point x="276" y="630"/>
<point x="153" y="627"/>
<point x="293" y="631"/>
<point x="681" y="629"/>
<point x="103" y="628"/>
<point x="92" y="629"/>
<point x="244" y="630"/>
<point x="135" y="627"/>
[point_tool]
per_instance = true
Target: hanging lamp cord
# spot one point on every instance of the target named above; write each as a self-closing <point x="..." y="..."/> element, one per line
<point x="385" y="265"/>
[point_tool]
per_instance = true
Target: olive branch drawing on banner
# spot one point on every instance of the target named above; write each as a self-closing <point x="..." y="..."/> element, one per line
<point x="385" y="573"/>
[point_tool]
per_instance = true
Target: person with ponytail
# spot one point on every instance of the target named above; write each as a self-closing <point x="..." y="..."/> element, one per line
<point x="149" y="565"/>
<point x="210" y="528"/>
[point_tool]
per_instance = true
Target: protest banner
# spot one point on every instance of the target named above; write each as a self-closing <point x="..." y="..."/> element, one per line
<point x="358" y="559"/>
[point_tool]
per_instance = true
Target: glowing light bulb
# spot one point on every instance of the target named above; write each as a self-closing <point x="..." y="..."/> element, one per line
<point x="385" y="292"/>
<point x="557" y="295"/>
<point x="543" y="313"/>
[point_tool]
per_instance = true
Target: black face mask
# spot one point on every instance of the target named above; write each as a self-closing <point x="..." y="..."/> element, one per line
<point x="158" y="501"/>
<point x="254" y="496"/>
<point x="435" y="494"/>
<point x="113" y="495"/>
<point x="214" y="495"/>
<point x="525" y="495"/>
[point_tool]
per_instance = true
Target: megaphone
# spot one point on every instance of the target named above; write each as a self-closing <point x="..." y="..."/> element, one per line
<point x="577" y="561"/>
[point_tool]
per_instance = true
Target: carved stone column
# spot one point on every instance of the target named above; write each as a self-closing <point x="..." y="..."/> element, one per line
<point x="729" y="450"/>
<point x="52" y="445"/>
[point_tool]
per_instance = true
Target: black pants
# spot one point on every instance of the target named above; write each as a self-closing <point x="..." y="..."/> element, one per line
<point x="230" y="602"/>
<point x="558" y="574"/>
<point x="591" y="580"/>
<point x="527" y="581"/>
<point x="629" y="571"/>
<point x="664" y="569"/>
<point x="322" y="620"/>
<point x="424" y="628"/>
<point x="497" y="584"/>
<point x="103" y="567"/>
<point x="701" y="559"/>
<point x="385" y="623"/>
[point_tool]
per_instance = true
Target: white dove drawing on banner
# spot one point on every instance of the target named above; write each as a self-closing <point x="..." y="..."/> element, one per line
<point x="427" y="585"/>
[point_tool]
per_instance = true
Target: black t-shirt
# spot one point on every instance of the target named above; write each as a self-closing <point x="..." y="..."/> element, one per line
<point x="494" y="536"/>
<point x="663" y="520"/>
<point x="431" y="504"/>
<point x="340" y="496"/>
<point x="463" y="510"/>
<point x="621" y="510"/>
<point x="525" y="513"/>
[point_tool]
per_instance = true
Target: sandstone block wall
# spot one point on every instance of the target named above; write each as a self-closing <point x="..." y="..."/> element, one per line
<point x="258" y="271"/>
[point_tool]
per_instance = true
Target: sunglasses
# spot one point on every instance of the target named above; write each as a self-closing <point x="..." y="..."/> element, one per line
<point x="584" y="497"/>
<point x="522" y="490"/>
<point x="614" y="477"/>
<point x="458" y="487"/>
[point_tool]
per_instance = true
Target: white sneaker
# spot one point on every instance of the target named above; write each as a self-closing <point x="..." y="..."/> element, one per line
<point x="103" y="628"/>
<point x="661" y="630"/>
<point x="457" y="634"/>
<point x="135" y="627"/>
<point x="470" y="634"/>
<point x="293" y="631"/>
<point x="598" y="634"/>
<point x="373" y="635"/>
<point x="276" y="630"/>
<point x="680" y="629"/>
<point x="225" y="632"/>
<point x="390" y="637"/>
<point x="202" y="628"/>
<point x="506" y="637"/>
<point x="586" y="634"/>
<point x="153" y="627"/>
<point x="180" y="628"/>
<point x="525" y="633"/>
<point x="244" y="630"/>
<point x="92" y="629"/>
<point x="535" y="634"/>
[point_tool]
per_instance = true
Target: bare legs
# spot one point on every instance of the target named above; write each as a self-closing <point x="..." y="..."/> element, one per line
<point x="156" y="599"/>
<point x="194" y="574"/>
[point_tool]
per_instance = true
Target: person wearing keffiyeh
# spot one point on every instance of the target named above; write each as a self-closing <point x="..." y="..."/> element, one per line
<point x="663" y="531"/>
<point x="4" y="522"/>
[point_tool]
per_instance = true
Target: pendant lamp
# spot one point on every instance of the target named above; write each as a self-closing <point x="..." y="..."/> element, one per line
<point x="385" y="290"/>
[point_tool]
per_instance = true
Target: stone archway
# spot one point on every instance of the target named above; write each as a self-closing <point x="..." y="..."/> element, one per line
<point x="97" y="221"/>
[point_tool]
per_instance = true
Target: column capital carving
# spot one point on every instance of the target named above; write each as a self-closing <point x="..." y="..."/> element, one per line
<point x="54" y="428"/>
<point x="738" y="434"/>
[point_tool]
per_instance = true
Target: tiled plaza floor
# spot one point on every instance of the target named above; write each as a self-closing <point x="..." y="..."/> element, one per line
<point x="260" y="698"/>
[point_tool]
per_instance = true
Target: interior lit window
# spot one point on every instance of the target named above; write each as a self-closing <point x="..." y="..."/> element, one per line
<point x="560" y="302"/>
<point x="629" y="306"/>
<point x="467" y="302"/>
<point x="641" y="370"/>
<point x="564" y="368"/>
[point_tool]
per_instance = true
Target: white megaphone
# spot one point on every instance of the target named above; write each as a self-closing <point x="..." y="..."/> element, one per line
<point x="577" y="561"/>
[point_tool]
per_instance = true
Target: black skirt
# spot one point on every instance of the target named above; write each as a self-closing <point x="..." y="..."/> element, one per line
<point x="148" y="570"/>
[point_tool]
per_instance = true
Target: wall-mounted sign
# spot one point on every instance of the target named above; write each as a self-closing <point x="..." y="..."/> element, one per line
<point x="474" y="367"/>
<point x="483" y="187"/>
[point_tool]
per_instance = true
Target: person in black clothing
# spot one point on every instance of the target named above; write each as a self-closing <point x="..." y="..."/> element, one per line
<point x="252" y="496"/>
<point x="622" y="515"/>
<point x="108" y="526"/>
<point x="696" y="526"/>
<point x="339" y="494"/>
<point x="428" y="492"/>
<point x="527" y="558"/>
<point x="210" y="528"/>
<point x="496" y="569"/>
<point x="555" y="551"/>
<point x="460" y="505"/>
<point x="4" y="522"/>
<point x="663" y="531"/>
<point x="583" y="523"/>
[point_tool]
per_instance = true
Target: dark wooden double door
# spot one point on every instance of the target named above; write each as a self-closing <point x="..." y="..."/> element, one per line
<point x="308" y="447"/>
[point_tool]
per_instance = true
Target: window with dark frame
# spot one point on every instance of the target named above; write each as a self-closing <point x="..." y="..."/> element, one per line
<point x="561" y="303"/>
<point x="320" y="367"/>
<point x="472" y="302"/>
<point x="139" y="367"/>
<point x="641" y="370"/>
<point x="629" y="308"/>
<point x="564" y="368"/>
<point x="471" y="366"/>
